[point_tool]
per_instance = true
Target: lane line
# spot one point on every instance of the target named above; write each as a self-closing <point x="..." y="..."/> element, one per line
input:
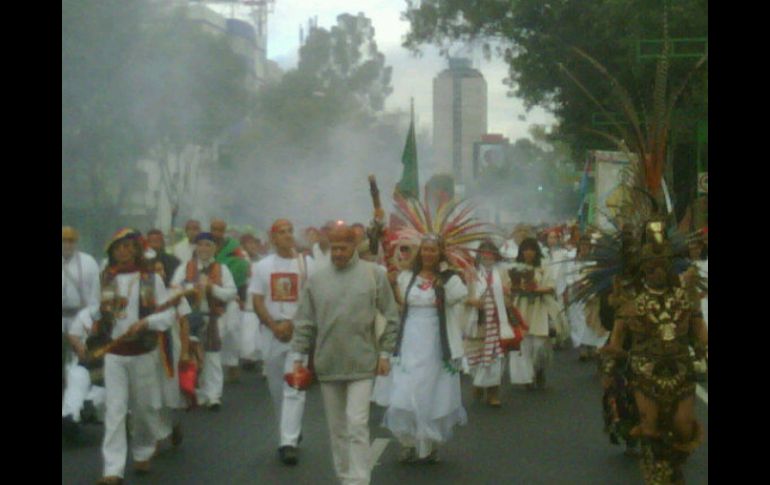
<point x="702" y="394"/>
<point x="377" y="448"/>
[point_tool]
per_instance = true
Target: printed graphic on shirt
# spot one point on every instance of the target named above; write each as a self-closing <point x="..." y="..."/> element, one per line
<point x="284" y="287"/>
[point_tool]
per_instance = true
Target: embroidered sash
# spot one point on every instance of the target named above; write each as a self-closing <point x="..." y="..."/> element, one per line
<point x="212" y="341"/>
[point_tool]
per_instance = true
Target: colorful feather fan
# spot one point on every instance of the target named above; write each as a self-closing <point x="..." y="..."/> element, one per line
<point x="451" y="221"/>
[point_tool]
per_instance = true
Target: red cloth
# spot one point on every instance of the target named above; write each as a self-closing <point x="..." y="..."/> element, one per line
<point x="299" y="380"/>
<point x="188" y="376"/>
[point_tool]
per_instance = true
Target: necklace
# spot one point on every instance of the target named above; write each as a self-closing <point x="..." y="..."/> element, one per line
<point x="427" y="281"/>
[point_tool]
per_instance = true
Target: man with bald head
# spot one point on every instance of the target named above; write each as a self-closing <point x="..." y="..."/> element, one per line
<point x="275" y="287"/>
<point x="230" y="254"/>
<point x="336" y="314"/>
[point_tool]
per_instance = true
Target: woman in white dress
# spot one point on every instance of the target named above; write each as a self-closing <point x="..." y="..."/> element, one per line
<point x="425" y="400"/>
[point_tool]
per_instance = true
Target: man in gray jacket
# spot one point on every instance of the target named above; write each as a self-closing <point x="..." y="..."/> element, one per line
<point x="337" y="310"/>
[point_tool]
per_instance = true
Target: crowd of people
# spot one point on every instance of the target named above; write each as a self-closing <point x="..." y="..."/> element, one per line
<point x="152" y="331"/>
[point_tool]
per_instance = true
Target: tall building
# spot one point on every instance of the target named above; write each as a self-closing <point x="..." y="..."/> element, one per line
<point x="459" y="118"/>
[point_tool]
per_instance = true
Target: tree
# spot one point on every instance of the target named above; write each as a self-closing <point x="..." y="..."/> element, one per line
<point x="536" y="38"/>
<point x="346" y="58"/>
<point x="99" y="146"/>
<point x="135" y="78"/>
<point x="341" y="78"/>
<point x="188" y="88"/>
<point x="323" y="115"/>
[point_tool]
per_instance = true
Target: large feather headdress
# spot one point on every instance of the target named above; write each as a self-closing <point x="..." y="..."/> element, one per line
<point x="619" y="251"/>
<point x="451" y="223"/>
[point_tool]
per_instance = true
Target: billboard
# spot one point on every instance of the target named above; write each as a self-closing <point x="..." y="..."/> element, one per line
<point x="487" y="155"/>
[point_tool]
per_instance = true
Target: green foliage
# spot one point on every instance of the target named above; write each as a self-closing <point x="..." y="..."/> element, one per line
<point x="535" y="38"/>
<point x="341" y="78"/>
<point x="325" y="115"/>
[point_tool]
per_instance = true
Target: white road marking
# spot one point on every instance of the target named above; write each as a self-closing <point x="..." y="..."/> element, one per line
<point x="378" y="446"/>
<point x="702" y="394"/>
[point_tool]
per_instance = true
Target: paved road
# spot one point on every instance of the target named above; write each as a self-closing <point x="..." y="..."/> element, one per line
<point x="548" y="437"/>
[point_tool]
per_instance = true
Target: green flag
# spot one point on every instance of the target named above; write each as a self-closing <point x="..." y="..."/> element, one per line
<point x="409" y="186"/>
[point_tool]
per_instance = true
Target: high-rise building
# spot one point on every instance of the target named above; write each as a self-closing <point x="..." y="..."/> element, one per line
<point x="459" y="118"/>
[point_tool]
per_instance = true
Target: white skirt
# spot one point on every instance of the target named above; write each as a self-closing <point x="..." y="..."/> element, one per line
<point x="425" y="398"/>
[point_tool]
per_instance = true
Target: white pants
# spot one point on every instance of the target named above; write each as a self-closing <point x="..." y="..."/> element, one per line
<point x="536" y="352"/>
<point x="251" y="346"/>
<point x="132" y="385"/>
<point x="230" y="331"/>
<point x="289" y="403"/>
<point x="167" y="419"/>
<point x="347" y="414"/>
<point x="211" y="380"/>
<point x="78" y="391"/>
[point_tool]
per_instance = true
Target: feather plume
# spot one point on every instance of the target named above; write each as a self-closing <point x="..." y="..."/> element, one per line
<point x="451" y="220"/>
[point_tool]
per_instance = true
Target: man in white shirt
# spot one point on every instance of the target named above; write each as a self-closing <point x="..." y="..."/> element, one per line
<point x="79" y="293"/>
<point x="132" y="312"/>
<point x="510" y="248"/>
<point x="275" y="287"/>
<point x="321" y="252"/>
<point x="79" y="279"/>
<point x="184" y="248"/>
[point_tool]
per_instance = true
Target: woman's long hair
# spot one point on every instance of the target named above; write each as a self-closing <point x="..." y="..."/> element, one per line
<point x="530" y="243"/>
<point x="487" y="246"/>
<point x="417" y="260"/>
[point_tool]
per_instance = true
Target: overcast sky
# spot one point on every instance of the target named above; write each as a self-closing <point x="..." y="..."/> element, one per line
<point x="412" y="76"/>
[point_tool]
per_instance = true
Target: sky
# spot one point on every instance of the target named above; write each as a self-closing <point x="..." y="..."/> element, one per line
<point x="412" y="76"/>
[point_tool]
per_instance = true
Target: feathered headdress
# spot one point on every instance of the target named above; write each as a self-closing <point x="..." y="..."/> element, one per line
<point x="621" y="251"/>
<point x="451" y="224"/>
